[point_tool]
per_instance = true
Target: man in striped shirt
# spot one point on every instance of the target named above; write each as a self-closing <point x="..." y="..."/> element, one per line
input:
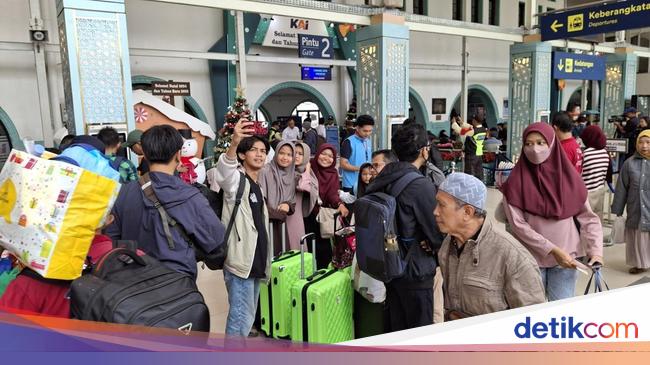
<point x="594" y="167"/>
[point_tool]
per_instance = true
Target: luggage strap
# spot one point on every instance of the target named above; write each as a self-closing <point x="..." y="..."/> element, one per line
<point x="598" y="280"/>
<point x="168" y="221"/>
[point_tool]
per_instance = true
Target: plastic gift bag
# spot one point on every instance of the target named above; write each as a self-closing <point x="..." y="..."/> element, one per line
<point x="49" y="211"/>
<point x="372" y="289"/>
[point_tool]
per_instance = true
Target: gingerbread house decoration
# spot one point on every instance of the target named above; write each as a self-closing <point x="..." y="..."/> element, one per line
<point x="150" y="111"/>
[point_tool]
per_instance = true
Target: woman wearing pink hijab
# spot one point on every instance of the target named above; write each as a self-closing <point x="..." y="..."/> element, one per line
<point x="543" y="199"/>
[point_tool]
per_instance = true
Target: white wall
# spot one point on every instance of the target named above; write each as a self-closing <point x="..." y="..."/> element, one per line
<point x="18" y="88"/>
<point x="643" y="84"/>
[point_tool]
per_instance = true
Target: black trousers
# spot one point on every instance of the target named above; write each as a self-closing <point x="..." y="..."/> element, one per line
<point x="474" y="166"/>
<point x="323" y="245"/>
<point x="409" y="308"/>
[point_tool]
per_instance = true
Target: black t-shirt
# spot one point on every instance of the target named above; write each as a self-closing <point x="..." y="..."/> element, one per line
<point x="143" y="168"/>
<point x="256" y="200"/>
<point x="346" y="149"/>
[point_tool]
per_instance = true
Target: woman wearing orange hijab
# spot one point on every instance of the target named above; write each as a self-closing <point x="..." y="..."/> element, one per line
<point x="633" y="191"/>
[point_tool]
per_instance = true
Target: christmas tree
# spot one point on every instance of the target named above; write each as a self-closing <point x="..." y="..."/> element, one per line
<point x="238" y="110"/>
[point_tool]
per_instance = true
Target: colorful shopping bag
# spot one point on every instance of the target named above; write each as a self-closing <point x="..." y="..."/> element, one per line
<point x="49" y="211"/>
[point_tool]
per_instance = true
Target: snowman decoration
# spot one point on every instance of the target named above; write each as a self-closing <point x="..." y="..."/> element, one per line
<point x="193" y="166"/>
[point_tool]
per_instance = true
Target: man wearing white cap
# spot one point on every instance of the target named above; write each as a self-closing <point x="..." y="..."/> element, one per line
<point x="484" y="268"/>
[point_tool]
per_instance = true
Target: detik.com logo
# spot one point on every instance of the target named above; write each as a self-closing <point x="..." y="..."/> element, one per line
<point x="568" y="327"/>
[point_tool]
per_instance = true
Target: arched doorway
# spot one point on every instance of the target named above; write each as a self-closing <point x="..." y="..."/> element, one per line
<point x="417" y="108"/>
<point x="282" y="100"/>
<point x="479" y="102"/>
<point x="576" y="98"/>
<point x="9" y="137"/>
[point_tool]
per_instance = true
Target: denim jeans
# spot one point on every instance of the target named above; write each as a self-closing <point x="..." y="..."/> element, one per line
<point x="242" y="298"/>
<point x="559" y="283"/>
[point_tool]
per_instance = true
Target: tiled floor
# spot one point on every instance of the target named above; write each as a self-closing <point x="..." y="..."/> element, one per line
<point x="615" y="273"/>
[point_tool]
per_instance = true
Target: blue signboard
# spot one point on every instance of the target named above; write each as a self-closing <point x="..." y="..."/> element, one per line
<point x="596" y="19"/>
<point x="314" y="46"/>
<point x="316" y="73"/>
<point x="578" y="66"/>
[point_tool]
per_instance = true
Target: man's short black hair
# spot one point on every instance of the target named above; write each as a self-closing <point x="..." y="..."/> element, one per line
<point x="364" y="120"/>
<point x="408" y="140"/>
<point x="563" y="122"/>
<point x="388" y="155"/>
<point x="160" y="143"/>
<point x="109" y="136"/>
<point x="572" y="107"/>
<point x="247" y="143"/>
<point x="66" y="141"/>
<point x="275" y="123"/>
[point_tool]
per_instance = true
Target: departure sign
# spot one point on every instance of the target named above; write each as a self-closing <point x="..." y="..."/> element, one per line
<point x="314" y="46"/>
<point x="316" y="73"/>
<point x="596" y="19"/>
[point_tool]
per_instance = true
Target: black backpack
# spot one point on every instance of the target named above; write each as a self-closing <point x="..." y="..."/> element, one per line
<point x="378" y="250"/>
<point x="129" y="289"/>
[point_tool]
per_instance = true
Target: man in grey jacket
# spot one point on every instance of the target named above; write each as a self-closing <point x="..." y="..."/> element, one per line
<point x="248" y="262"/>
<point x="484" y="269"/>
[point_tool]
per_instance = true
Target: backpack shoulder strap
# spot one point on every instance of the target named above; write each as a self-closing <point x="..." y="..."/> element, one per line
<point x="238" y="197"/>
<point x="149" y="193"/>
<point x="404" y="181"/>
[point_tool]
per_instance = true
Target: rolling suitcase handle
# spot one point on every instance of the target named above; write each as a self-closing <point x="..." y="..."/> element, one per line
<point x="304" y="239"/>
<point x="283" y="236"/>
<point x="283" y="227"/>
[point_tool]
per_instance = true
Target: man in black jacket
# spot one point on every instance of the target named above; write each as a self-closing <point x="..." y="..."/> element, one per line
<point x="410" y="298"/>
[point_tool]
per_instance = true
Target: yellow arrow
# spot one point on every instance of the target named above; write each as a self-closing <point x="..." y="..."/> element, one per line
<point x="555" y="26"/>
<point x="561" y="65"/>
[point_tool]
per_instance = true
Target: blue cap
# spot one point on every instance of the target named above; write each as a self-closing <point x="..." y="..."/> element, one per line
<point x="630" y="110"/>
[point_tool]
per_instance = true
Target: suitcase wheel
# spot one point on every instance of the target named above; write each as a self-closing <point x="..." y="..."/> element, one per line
<point x="277" y="326"/>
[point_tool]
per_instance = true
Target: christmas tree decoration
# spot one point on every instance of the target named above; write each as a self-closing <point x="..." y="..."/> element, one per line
<point x="238" y="110"/>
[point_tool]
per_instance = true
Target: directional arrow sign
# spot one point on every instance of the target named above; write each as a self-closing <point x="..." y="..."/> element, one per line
<point x="619" y="15"/>
<point x="556" y="25"/>
<point x="578" y="66"/>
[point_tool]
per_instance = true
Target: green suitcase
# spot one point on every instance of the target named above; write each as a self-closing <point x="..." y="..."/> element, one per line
<point x="322" y="307"/>
<point x="275" y="297"/>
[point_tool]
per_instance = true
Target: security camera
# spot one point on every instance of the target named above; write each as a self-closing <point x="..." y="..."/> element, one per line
<point x="38" y="35"/>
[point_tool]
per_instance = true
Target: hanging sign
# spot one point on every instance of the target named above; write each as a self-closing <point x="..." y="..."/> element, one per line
<point x="283" y="31"/>
<point x="170" y="88"/>
<point x="596" y="19"/>
<point x="316" y="73"/>
<point x="578" y="66"/>
<point x="311" y="46"/>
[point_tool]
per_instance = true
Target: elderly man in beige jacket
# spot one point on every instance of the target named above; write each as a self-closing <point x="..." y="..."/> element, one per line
<point x="484" y="268"/>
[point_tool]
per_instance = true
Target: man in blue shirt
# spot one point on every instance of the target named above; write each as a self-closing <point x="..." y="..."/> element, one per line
<point x="355" y="151"/>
